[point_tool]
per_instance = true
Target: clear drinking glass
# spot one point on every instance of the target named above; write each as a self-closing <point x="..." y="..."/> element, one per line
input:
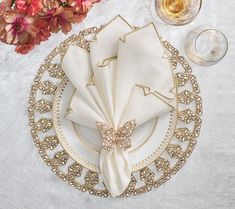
<point x="175" y="12"/>
<point x="206" y="46"/>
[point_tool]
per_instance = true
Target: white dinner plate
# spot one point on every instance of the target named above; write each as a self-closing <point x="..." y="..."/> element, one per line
<point x="84" y="144"/>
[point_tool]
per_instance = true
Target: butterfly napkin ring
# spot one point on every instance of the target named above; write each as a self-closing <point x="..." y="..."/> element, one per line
<point x="112" y="137"/>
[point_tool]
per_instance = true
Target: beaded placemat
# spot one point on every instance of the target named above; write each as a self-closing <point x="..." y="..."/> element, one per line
<point x="49" y="77"/>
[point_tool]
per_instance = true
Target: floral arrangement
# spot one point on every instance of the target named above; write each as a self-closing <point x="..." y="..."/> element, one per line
<point x="26" y="23"/>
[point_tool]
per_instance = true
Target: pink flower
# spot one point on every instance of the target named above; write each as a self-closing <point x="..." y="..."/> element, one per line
<point x="50" y="4"/>
<point x="42" y="35"/>
<point x="82" y="6"/>
<point x="31" y="7"/>
<point x="60" y="18"/>
<point x="26" y="23"/>
<point x="79" y="6"/>
<point x="18" y="28"/>
<point x="24" y="49"/>
<point x="87" y="4"/>
<point x="5" y="5"/>
<point x="43" y="31"/>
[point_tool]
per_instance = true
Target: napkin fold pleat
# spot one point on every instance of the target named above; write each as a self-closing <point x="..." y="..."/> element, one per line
<point x="77" y="67"/>
<point x="103" y="52"/>
<point x="105" y="44"/>
<point x="103" y="108"/>
<point x="140" y="62"/>
<point x="115" y="168"/>
<point x="76" y="64"/>
<point x="144" y="108"/>
<point x="82" y="113"/>
<point x="105" y="84"/>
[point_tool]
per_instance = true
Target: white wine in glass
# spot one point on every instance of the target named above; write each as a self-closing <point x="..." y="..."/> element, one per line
<point x="175" y="12"/>
<point x="175" y="8"/>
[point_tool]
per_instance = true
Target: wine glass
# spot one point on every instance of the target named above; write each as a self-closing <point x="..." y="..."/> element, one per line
<point x="175" y="12"/>
<point x="206" y="46"/>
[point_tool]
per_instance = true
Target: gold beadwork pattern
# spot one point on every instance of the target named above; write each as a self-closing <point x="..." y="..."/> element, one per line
<point x="189" y="103"/>
<point x="44" y="125"/>
<point x="55" y="71"/>
<point x="42" y="105"/>
<point x="49" y="143"/>
<point x="46" y="87"/>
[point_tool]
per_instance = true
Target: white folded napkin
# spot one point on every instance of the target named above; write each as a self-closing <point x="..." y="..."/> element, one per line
<point x="122" y="83"/>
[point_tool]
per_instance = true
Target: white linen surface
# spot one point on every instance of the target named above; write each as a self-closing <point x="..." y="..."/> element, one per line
<point x="206" y="181"/>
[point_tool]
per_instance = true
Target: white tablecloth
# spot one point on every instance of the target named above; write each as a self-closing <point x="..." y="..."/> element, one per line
<point x="207" y="181"/>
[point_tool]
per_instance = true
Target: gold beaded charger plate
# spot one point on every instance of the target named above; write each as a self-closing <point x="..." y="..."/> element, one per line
<point x="71" y="159"/>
